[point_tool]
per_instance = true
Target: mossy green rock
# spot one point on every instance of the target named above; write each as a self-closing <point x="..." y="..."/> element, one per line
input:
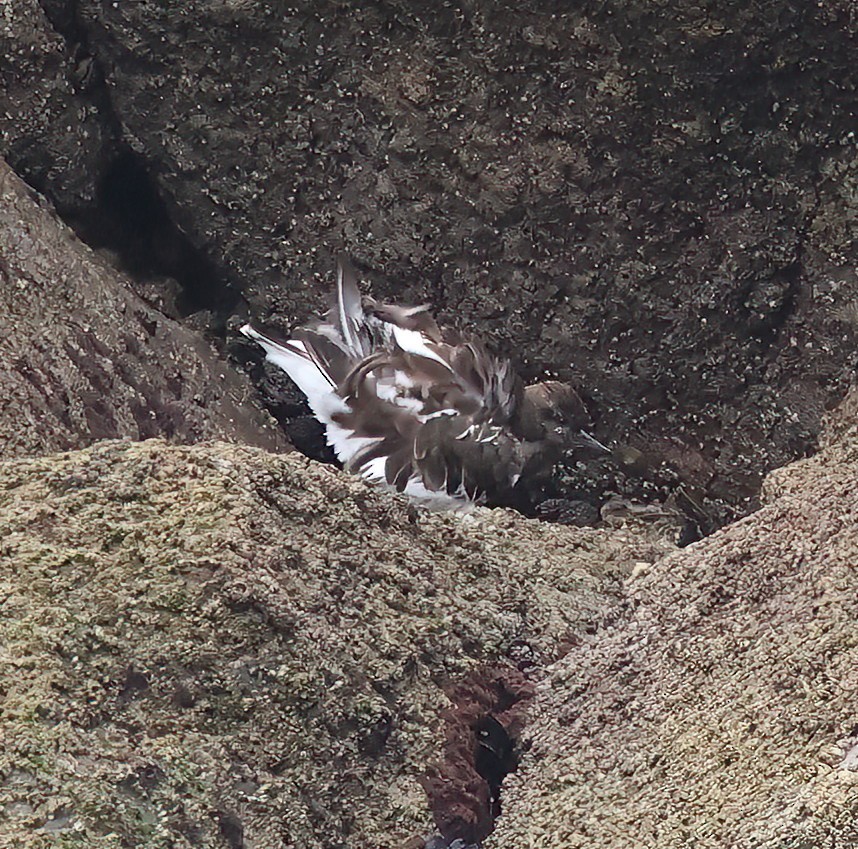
<point x="218" y="646"/>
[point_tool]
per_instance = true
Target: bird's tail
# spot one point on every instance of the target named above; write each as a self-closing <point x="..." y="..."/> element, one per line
<point x="297" y="359"/>
<point x="350" y="319"/>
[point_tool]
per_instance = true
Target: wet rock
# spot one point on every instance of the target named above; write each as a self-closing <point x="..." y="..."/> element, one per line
<point x="568" y="512"/>
<point x="591" y="188"/>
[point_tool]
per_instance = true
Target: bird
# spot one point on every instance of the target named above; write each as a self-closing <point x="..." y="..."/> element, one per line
<point x="424" y="410"/>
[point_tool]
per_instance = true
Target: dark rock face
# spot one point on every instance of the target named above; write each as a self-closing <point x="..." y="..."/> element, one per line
<point x="56" y="128"/>
<point x="655" y="203"/>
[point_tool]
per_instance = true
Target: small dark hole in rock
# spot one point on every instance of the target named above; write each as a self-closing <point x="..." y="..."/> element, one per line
<point x="232" y="829"/>
<point x="135" y="682"/>
<point x="133" y="221"/>
<point x="494" y="757"/>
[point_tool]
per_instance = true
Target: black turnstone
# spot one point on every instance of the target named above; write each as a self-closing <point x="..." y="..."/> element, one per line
<point x="423" y="409"/>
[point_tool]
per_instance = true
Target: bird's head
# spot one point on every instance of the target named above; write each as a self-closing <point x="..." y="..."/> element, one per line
<point x="553" y="414"/>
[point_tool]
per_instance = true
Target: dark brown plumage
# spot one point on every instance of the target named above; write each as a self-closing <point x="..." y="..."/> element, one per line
<point x="423" y="409"/>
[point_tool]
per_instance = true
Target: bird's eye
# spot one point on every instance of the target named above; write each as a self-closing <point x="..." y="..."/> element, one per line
<point x="558" y="430"/>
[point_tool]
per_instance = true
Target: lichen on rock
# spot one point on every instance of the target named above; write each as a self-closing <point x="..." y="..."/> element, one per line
<point x="213" y="640"/>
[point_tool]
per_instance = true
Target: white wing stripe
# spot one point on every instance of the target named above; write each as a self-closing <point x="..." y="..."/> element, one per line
<point x="414" y="342"/>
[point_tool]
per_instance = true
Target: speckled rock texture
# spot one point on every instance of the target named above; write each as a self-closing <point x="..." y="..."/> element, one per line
<point x="82" y="357"/>
<point x="656" y="201"/>
<point x="216" y="646"/>
<point x="722" y="709"/>
<point x="53" y="128"/>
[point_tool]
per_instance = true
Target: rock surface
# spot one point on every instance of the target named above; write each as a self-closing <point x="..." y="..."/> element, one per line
<point x="218" y="646"/>
<point x="657" y="202"/>
<point x="82" y="357"/>
<point x="54" y="128"/>
<point x="722" y="710"/>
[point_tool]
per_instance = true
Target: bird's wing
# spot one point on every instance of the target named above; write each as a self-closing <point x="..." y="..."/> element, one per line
<point x="449" y="372"/>
<point x="448" y="454"/>
<point x="467" y="459"/>
<point x="401" y="353"/>
<point x="437" y="405"/>
<point x="402" y="401"/>
<point x="307" y="365"/>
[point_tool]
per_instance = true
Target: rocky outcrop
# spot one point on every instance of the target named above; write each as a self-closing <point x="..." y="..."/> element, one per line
<point x="218" y="646"/>
<point x="82" y="357"/>
<point x="656" y="202"/>
<point x="722" y="710"/>
<point x="55" y="123"/>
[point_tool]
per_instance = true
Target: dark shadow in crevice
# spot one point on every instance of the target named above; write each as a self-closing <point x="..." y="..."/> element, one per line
<point x="482" y="724"/>
<point x="132" y="221"/>
<point x="129" y="217"/>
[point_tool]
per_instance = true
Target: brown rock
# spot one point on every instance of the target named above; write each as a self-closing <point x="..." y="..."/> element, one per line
<point x="83" y="358"/>
<point x="721" y="711"/>
<point x="657" y="201"/>
<point x="215" y="643"/>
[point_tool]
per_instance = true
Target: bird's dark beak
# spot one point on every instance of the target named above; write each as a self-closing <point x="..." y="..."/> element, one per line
<point x="584" y="441"/>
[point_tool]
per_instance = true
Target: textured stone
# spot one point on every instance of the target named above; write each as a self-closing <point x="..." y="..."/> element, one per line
<point x="655" y="201"/>
<point x="721" y="710"/>
<point x="213" y="644"/>
<point x="52" y="129"/>
<point x="82" y="357"/>
<point x="652" y="201"/>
